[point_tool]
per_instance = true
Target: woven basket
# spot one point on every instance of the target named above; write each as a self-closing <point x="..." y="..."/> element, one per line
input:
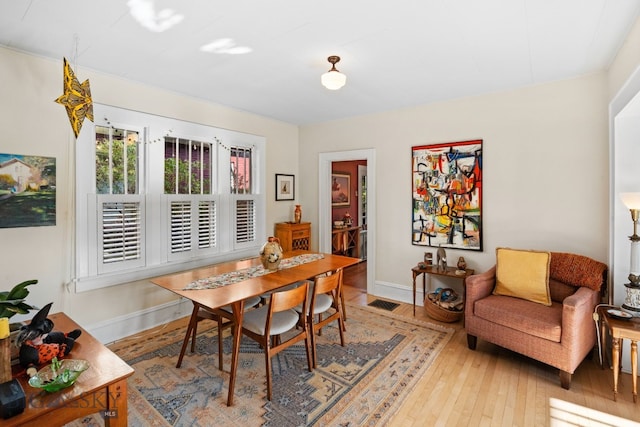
<point x="436" y="312"/>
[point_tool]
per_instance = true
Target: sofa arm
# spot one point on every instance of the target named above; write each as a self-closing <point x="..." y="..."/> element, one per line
<point x="577" y="316"/>
<point x="480" y="285"/>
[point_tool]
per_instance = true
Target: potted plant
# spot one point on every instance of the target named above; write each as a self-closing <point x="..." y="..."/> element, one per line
<point x="13" y="302"/>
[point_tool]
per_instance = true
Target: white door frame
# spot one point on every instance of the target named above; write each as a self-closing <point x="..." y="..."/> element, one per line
<point x="324" y="204"/>
<point x="623" y="137"/>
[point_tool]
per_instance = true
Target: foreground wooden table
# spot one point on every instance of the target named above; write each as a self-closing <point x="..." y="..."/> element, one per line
<point x="235" y="294"/>
<point x="101" y="388"/>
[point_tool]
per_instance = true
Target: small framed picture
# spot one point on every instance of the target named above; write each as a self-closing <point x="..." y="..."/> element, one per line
<point x="285" y="187"/>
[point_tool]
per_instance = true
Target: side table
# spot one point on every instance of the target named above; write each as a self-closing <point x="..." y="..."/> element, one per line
<point x="620" y="329"/>
<point x="434" y="270"/>
<point x="101" y="388"/>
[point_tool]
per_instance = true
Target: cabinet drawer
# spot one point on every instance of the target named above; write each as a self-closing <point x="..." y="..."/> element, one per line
<point x="300" y="234"/>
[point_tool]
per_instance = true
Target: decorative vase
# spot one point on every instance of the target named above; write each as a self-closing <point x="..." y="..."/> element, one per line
<point x="297" y="214"/>
<point x="271" y="254"/>
<point x="348" y="221"/>
<point x="441" y="259"/>
<point x="428" y="258"/>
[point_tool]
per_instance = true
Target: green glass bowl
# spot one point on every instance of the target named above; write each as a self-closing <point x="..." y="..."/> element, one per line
<point x="65" y="375"/>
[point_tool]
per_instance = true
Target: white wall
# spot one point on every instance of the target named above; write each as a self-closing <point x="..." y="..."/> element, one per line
<point x="545" y="171"/>
<point x="32" y="123"/>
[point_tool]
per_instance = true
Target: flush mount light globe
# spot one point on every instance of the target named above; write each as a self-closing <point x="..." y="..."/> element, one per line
<point x="333" y="79"/>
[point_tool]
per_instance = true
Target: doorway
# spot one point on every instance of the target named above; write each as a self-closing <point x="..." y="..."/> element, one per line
<point x="325" y="221"/>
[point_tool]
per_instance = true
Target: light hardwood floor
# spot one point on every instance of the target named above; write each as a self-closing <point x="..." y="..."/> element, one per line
<point x="496" y="387"/>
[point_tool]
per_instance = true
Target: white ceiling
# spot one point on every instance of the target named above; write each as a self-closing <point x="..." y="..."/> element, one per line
<point x="395" y="54"/>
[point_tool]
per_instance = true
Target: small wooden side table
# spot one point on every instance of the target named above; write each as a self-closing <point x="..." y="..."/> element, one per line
<point x="346" y="241"/>
<point x="434" y="270"/>
<point x="620" y="329"/>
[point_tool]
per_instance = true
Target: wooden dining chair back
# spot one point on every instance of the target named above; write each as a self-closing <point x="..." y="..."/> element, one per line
<point x="266" y="324"/>
<point x="223" y="316"/>
<point x="326" y="296"/>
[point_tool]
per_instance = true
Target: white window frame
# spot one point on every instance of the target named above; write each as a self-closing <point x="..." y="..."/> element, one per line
<point x="156" y="257"/>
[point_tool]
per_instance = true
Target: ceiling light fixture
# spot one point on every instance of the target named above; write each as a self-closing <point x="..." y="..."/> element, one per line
<point x="333" y="79"/>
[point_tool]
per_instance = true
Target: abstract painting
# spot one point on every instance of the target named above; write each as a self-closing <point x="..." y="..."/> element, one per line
<point x="447" y="195"/>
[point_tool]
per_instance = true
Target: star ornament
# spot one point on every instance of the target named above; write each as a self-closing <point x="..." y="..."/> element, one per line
<point x="76" y="99"/>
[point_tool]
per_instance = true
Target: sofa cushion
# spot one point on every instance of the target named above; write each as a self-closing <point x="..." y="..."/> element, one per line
<point x="523" y="274"/>
<point x="559" y="290"/>
<point x="522" y="315"/>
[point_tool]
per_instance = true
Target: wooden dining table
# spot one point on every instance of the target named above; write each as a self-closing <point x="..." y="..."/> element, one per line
<point x="234" y="294"/>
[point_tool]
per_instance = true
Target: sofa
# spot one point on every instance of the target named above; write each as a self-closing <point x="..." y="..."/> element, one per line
<point x="560" y="331"/>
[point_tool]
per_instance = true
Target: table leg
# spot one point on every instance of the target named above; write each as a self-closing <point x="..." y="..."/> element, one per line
<point x="424" y="286"/>
<point x="616" y="366"/>
<point x="634" y="369"/>
<point x="117" y="405"/>
<point x="238" y="313"/>
<point x="414" y="293"/>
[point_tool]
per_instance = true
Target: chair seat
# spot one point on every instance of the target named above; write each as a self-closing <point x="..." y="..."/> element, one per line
<point x="281" y="322"/>
<point x="524" y="316"/>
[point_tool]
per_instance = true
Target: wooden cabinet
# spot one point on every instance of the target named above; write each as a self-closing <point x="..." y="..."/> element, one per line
<point x="294" y="235"/>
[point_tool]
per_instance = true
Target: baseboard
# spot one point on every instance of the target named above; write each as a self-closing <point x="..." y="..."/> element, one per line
<point x="120" y="327"/>
<point x="396" y="292"/>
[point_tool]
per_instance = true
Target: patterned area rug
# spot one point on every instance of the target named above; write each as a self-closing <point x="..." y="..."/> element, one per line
<point x="360" y="384"/>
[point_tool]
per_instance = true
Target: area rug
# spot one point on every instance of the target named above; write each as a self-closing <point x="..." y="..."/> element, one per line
<point x="361" y="384"/>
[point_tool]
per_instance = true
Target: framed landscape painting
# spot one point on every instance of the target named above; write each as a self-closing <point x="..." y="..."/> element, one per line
<point x="447" y="195"/>
<point x="27" y="191"/>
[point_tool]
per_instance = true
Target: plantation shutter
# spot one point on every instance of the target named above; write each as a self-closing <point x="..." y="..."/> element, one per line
<point x="121" y="232"/>
<point x="245" y="221"/>
<point x="206" y="224"/>
<point x="180" y="226"/>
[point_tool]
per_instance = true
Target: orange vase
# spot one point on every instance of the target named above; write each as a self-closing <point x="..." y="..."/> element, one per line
<point x="297" y="215"/>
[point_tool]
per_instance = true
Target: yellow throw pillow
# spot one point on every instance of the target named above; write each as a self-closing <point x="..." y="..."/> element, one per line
<point x="523" y="274"/>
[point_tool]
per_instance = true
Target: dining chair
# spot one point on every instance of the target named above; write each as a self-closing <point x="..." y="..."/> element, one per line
<point x="266" y="324"/>
<point x="326" y="294"/>
<point x="223" y="316"/>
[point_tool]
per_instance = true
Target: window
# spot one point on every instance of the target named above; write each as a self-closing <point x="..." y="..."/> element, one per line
<point x="163" y="195"/>
<point x="119" y="217"/>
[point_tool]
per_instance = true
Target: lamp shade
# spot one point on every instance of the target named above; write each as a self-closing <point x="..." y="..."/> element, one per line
<point x="631" y="200"/>
<point x="333" y="79"/>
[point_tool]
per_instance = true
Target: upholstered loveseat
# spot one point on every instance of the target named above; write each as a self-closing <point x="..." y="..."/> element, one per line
<point x="560" y="334"/>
